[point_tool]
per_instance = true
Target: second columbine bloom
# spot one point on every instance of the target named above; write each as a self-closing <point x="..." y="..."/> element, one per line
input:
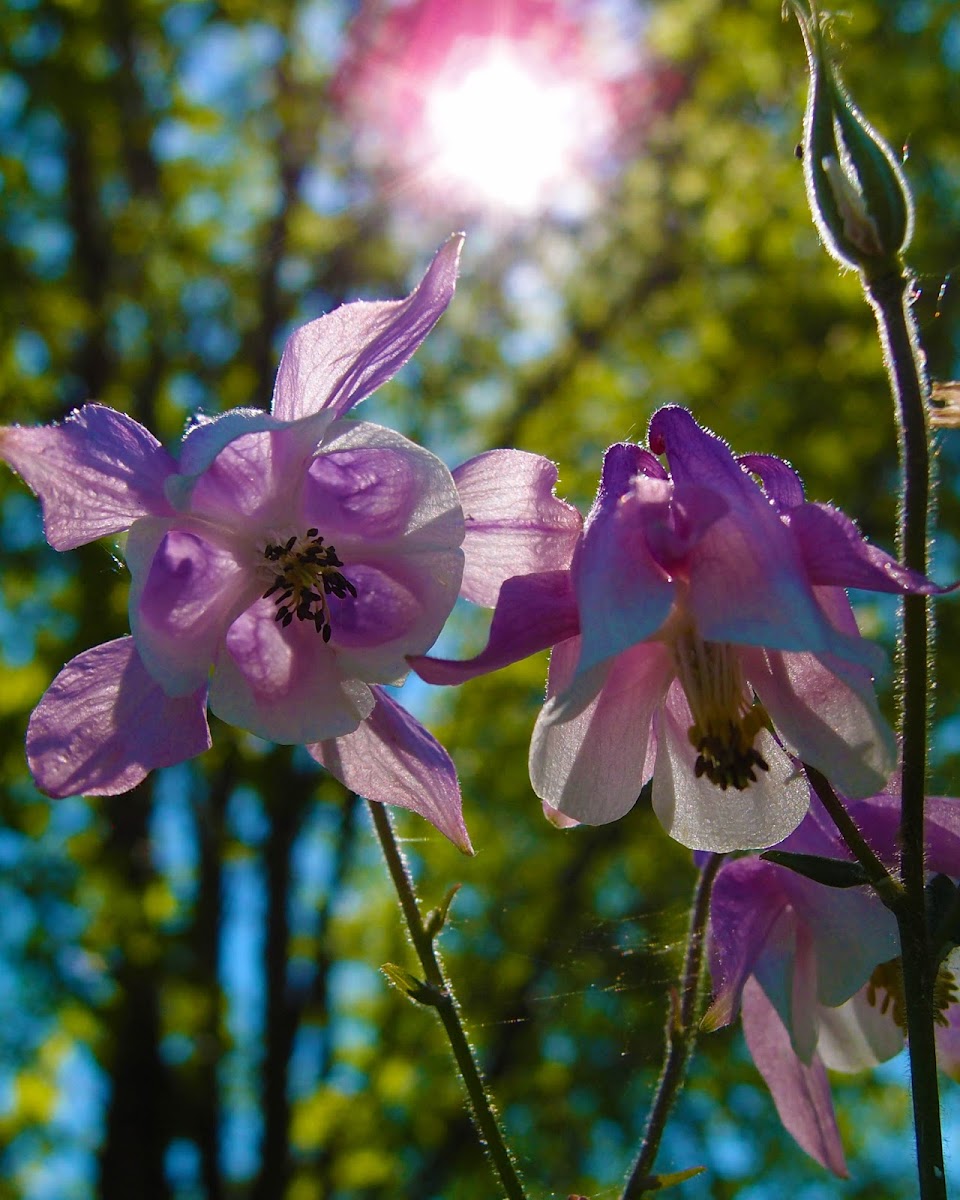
<point x="701" y="637"/>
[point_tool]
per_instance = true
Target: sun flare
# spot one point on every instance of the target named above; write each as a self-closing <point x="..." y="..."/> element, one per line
<point x="506" y="134"/>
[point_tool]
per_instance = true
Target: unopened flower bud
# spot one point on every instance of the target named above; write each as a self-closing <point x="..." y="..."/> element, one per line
<point x="857" y="191"/>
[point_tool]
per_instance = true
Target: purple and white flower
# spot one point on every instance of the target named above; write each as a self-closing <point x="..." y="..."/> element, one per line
<point x="283" y="567"/>
<point x="702" y="637"/>
<point x="814" y="970"/>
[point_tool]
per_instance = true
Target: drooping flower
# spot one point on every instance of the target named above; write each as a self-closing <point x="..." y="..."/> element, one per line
<point x="701" y="637"/>
<point x="814" y="970"/>
<point x="283" y="567"/>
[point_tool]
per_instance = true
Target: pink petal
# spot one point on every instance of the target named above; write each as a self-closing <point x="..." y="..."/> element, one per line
<point x="800" y="1092"/>
<point x="95" y="474"/>
<point x="696" y="813"/>
<point x="333" y="363"/>
<point x="780" y="481"/>
<point x="186" y="590"/>
<point x="835" y="553"/>
<point x="392" y="759"/>
<point x="257" y="475"/>
<point x="104" y="724"/>
<point x="371" y="484"/>
<point x="746" y="902"/>
<point x="284" y="685"/>
<point x="830" y="719"/>
<point x="589" y="765"/>
<point x="623" y="594"/>
<point x="515" y="525"/>
<point x="532" y="613"/>
<point x="748" y="580"/>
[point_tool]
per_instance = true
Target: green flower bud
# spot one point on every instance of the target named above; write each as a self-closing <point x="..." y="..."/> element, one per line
<point x="858" y="195"/>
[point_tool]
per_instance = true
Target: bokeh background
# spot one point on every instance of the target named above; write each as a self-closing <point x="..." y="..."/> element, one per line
<point x="190" y="999"/>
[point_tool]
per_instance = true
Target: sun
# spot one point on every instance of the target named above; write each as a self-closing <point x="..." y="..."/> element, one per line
<point x="499" y="130"/>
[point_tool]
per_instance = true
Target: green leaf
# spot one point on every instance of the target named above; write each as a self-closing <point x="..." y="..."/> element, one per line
<point x="833" y="872"/>
<point x="410" y="985"/>
<point x="437" y="917"/>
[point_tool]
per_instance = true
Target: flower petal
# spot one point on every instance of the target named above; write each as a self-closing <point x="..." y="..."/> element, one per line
<point x="95" y="474"/>
<point x="254" y="475"/>
<point x="624" y="594"/>
<point x="780" y="481"/>
<point x="332" y="363"/>
<point x="515" y="525"/>
<point x="284" y="685"/>
<point x="748" y="580"/>
<point x="589" y="765"/>
<point x="827" y="712"/>
<point x="698" y="814"/>
<point x="186" y="590"/>
<point x="374" y="485"/>
<point x="835" y="553"/>
<point x="747" y="900"/>
<point x="801" y="1093"/>
<point x="392" y="759"/>
<point x="532" y="613"/>
<point x="857" y="1035"/>
<point x="104" y="724"/>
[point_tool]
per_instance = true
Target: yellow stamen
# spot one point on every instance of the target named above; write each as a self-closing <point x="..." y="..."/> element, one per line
<point x="885" y="991"/>
<point x="726" y="718"/>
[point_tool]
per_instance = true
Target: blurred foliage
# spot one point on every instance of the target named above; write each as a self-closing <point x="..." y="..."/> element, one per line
<point x="190" y="1002"/>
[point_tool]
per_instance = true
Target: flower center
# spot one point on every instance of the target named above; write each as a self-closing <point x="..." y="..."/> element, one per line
<point x="885" y="991"/>
<point x="726" y="719"/>
<point x="306" y="572"/>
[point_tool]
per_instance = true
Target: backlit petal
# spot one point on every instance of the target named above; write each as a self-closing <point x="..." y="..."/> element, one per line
<point x="95" y="474"/>
<point x="515" y="525"/>
<point x="699" y="814"/>
<point x="800" y="1092"/>
<point x="334" y="362"/>
<point x="104" y="723"/>
<point x="391" y="758"/>
<point x="185" y="591"/>
<point x="532" y="613"/>
<point x="590" y="765"/>
<point x="284" y="685"/>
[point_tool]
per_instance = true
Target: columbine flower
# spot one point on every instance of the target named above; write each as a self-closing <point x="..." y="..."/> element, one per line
<point x="715" y="639"/>
<point x="282" y="569"/>
<point x="814" y="970"/>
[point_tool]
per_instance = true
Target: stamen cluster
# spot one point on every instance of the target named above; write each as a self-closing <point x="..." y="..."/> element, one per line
<point x="726" y="720"/>
<point x="304" y="566"/>
<point x="885" y="991"/>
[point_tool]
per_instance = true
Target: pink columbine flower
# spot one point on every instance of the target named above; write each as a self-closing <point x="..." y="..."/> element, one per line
<point x="283" y="567"/>
<point x="814" y="970"/>
<point x="702" y="636"/>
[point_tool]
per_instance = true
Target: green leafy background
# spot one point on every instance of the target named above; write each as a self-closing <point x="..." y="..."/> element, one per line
<point x="190" y="1002"/>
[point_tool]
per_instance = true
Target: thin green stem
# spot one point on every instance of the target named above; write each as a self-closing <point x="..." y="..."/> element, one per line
<point x="442" y="998"/>
<point x="889" y="296"/>
<point x="888" y="888"/>
<point x="680" y="1035"/>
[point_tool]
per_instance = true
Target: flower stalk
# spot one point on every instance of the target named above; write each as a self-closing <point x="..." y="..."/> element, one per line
<point x="889" y="297"/>
<point x="436" y="992"/>
<point x="680" y="1035"/>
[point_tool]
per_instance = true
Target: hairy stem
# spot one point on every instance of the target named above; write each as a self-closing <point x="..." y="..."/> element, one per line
<point x="442" y="998"/>
<point x="680" y="1035"/>
<point x="889" y="296"/>
<point x="888" y="888"/>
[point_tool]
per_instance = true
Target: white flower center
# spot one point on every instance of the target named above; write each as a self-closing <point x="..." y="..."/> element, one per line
<point x="726" y="717"/>
<point x="305" y="573"/>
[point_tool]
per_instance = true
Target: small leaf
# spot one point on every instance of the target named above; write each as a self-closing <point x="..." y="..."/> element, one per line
<point x="656" y="1183"/>
<point x="833" y="872"/>
<point x="437" y="917"/>
<point x="410" y="985"/>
